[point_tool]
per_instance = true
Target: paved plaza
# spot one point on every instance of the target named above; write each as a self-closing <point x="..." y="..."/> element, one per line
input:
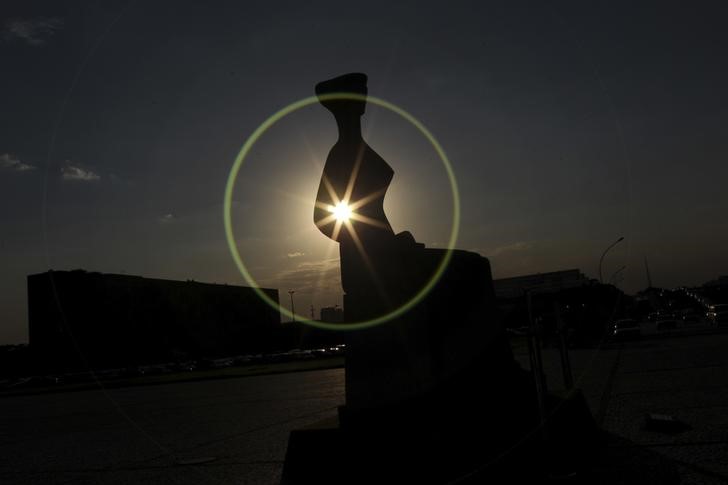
<point x="235" y="430"/>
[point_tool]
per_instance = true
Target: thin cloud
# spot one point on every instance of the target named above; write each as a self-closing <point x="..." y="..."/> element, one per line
<point x="297" y="254"/>
<point x="311" y="275"/>
<point x="9" y="162"/>
<point x="34" y="31"/>
<point x="167" y="218"/>
<point x="510" y="248"/>
<point x="119" y="181"/>
<point x="75" y="173"/>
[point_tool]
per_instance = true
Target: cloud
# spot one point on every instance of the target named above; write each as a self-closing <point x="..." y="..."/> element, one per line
<point x="9" y="162"/>
<point x="167" y="218"/>
<point x="510" y="248"/>
<point x="119" y="181"/>
<point x="318" y="276"/>
<point x="297" y="254"/>
<point x="72" y="172"/>
<point x="34" y="31"/>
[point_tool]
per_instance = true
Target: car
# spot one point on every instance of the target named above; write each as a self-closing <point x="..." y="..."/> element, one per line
<point x="222" y="363"/>
<point x="242" y="360"/>
<point x="691" y="317"/>
<point x="721" y="318"/>
<point x="718" y="314"/>
<point x="666" y="324"/>
<point x="337" y="349"/>
<point x="300" y="354"/>
<point x="322" y="352"/>
<point x="626" y="328"/>
<point x="154" y="370"/>
<point x="187" y="366"/>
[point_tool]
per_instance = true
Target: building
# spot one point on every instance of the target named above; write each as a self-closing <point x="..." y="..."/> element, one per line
<point x="332" y="314"/>
<point x="506" y="288"/>
<point x="80" y="319"/>
<point x="719" y="281"/>
<point x="565" y="300"/>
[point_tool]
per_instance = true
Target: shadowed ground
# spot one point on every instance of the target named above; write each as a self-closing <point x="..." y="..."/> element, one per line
<point x="138" y="434"/>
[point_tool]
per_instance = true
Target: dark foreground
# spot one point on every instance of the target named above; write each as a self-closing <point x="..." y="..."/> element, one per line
<point x="236" y="430"/>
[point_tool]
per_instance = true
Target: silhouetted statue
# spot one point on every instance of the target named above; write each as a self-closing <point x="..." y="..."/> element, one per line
<point x="381" y="271"/>
<point x="433" y="395"/>
<point x="356" y="177"/>
<point x="354" y="173"/>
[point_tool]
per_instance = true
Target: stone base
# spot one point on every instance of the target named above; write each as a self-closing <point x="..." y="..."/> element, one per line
<point x="453" y="444"/>
<point x="454" y="333"/>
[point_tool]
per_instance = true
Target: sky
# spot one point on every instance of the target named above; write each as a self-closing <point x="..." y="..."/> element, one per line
<point x="567" y="124"/>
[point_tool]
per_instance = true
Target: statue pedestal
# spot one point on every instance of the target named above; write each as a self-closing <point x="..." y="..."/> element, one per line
<point x="435" y="394"/>
<point x="458" y="443"/>
<point x="454" y="332"/>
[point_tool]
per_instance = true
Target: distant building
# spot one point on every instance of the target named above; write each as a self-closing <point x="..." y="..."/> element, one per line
<point x="515" y="287"/>
<point x="332" y="314"/>
<point x="719" y="281"/>
<point x="79" y="319"/>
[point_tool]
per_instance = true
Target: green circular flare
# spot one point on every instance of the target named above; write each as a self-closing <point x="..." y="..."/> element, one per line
<point x="245" y="150"/>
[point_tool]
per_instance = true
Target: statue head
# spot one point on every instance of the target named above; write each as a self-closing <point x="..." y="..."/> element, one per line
<point x="354" y="82"/>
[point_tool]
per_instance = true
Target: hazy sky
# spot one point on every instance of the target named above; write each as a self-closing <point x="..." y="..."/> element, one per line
<point x="568" y="124"/>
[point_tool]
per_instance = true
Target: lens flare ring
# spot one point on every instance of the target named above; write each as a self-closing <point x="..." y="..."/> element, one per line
<point x="342" y="211"/>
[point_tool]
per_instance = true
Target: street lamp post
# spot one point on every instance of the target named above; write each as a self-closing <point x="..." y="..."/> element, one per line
<point x="293" y="309"/>
<point x="613" y="278"/>
<point x="604" y="253"/>
<point x="536" y="360"/>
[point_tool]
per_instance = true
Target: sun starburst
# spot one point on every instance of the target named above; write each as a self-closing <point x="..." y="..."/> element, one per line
<point x="341" y="211"/>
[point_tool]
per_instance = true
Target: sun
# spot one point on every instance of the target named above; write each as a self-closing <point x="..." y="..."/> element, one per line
<point x="342" y="211"/>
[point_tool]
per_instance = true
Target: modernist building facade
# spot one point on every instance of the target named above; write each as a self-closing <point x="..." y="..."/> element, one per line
<point x="516" y="287"/>
<point x="80" y="319"/>
<point x="332" y="314"/>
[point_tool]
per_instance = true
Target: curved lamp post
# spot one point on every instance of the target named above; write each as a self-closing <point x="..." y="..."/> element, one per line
<point x="604" y="253"/>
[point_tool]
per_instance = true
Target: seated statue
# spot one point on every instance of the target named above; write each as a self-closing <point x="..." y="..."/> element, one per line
<point x="452" y="331"/>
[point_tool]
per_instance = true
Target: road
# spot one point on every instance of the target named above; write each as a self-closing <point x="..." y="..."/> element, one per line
<point x="138" y="434"/>
<point x="235" y="430"/>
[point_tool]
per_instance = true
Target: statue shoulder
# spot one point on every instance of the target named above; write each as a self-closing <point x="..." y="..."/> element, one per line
<point x="376" y="160"/>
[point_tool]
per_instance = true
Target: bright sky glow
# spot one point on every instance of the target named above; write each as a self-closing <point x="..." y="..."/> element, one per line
<point x="346" y="207"/>
<point x="562" y="136"/>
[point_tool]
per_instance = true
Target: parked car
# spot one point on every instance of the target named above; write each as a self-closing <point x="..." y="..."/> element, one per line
<point x="721" y="318"/>
<point x="242" y="360"/>
<point x="187" y="366"/>
<point x="718" y="314"/>
<point x="691" y="316"/>
<point x="337" y="349"/>
<point x="666" y="325"/>
<point x="626" y="328"/>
